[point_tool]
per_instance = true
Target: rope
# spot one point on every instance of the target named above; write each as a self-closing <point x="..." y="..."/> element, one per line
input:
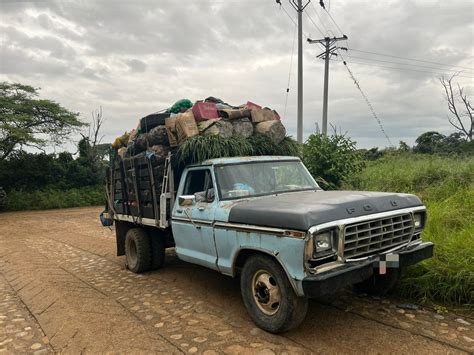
<point x="371" y="108"/>
<point x="368" y="104"/>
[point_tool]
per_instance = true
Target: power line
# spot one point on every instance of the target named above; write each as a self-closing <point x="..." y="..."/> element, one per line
<point x="330" y="16"/>
<point x="407" y="64"/>
<point x="287" y="14"/>
<point x="412" y="59"/>
<point x="319" y="17"/>
<point x="314" y="23"/>
<point x="383" y="54"/>
<point x="407" y="69"/>
<point x="371" y="108"/>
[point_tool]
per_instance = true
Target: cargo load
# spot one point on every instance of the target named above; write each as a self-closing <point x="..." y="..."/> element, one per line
<point x="185" y="134"/>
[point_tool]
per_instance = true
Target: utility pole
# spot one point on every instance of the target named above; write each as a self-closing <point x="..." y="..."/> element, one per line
<point x="298" y="6"/>
<point x="329" y="49"/>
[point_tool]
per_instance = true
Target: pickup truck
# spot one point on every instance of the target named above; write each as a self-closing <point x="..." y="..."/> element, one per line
<point x="266" y="220"/>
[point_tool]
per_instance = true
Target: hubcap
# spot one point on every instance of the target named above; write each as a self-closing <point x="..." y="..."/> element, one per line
<point x="266" y="292"/>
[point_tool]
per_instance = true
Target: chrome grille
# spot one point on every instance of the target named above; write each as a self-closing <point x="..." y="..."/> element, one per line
<point x="377" y="235"/>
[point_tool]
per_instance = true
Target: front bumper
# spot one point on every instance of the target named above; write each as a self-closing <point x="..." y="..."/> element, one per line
<point x="351" y="273"/>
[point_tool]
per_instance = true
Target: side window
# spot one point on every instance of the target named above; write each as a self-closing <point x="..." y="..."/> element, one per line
<point x="199" y="184"/>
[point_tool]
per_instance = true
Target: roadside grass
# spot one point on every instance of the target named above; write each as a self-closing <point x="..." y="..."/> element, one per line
<point x="446" y="187"/>
<point x="49" y="198"/>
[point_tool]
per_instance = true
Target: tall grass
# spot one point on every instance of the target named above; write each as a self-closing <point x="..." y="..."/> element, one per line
<point x="18" y="200"/>
<point x="200" y="148"/>
<point x="446" y="186"/>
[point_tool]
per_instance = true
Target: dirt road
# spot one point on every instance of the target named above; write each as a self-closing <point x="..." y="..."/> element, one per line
<point x="62" y="289"/>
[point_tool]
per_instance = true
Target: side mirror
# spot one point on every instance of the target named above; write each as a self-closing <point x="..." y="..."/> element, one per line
<point x="187" y="200"/>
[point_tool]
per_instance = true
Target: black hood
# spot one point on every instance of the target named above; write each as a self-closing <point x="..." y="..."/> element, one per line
<point x="302" y="210"/>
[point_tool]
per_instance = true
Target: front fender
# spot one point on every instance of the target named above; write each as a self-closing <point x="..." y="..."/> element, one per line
<point x="288" y="251"/>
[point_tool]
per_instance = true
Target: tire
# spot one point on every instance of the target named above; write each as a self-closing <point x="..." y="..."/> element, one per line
<point x="158" y="250"/>
<point x="149" y="122"/>
<point x="379" y="285"/>
<point x="261" y="277"/>
<point x="138" y="250"/>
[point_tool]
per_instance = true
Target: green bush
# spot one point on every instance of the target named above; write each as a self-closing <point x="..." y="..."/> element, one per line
<point x="331" y="159"/>
<point x="446" y="186"/>
<point x="27" y="171"/>
<point x="18" y="200"/>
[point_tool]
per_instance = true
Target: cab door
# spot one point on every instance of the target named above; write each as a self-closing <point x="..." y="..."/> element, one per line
<point x="193" y="218"/>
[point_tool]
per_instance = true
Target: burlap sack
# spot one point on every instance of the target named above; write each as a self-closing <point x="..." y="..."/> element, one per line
<point x="273" y="129"/>
<point x="216" y="127"/>
<point x="262" y="115"/>
<point x="186" y="126"/>
<point x="233" y="114"/>
<point x="242" y="127"/>
<point x="170" y="124"/>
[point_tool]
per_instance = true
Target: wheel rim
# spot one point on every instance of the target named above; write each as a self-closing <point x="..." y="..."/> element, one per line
<point x="266" y="292"/>
<point x="132" y="254"/>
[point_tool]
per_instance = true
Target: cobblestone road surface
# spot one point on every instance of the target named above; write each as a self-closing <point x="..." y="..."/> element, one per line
<point x="62" y="289"/>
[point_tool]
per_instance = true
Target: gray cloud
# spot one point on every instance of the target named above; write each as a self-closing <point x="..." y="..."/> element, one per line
<point x="136" y="65"/>
<point x="133" y="58"/>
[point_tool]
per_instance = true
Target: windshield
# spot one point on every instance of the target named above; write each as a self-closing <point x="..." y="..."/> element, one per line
<point x="262" y="178"/>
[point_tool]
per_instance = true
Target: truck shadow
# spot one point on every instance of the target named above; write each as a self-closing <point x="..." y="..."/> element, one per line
<point x="224" y="291"/>
<point x="340" y="323"/>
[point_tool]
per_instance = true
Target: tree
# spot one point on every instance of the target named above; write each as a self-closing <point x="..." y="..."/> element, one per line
<point x="331" y="159"/>
<point x="26" y="120"/>
<point x="434" y="142"/>
<point x="459" y="106"/>
<point x="429" y="142"/>
<point x="403" y="147"/>
<point x="92" y="141"/>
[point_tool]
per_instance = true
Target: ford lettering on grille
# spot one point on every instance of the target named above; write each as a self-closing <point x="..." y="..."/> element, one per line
<point x="377" y="235"/>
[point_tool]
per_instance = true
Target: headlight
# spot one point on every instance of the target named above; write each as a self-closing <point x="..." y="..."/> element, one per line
<point x="419" y="220"/>
<point x="325" y="243"/>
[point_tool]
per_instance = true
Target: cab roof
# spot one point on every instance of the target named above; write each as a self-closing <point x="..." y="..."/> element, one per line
<point x="234" y="160"/>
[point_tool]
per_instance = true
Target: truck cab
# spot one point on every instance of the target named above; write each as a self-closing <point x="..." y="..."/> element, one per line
<point x="266" y="220"/>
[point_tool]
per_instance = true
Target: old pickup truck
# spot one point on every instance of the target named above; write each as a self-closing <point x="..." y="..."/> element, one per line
<point x="266" y="220"/>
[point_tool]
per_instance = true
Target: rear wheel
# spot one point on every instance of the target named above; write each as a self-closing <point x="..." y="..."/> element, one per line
<point x="138" y="250"/>
<point x="378" y="284"/>
<point x="269" y="297"/>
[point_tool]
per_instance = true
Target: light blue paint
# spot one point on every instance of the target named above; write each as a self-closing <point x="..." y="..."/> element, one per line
<point x="195" y="242"/>
<point x="287" y="251"/>
<point x="218" y="248"/>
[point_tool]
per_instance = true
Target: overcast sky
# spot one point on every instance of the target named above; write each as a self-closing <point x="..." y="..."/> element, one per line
<point x="137" y="57"/>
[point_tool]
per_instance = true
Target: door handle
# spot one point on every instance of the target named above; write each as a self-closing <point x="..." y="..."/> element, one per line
<point x="201" y="208"/>
<point x="179" y="211"/>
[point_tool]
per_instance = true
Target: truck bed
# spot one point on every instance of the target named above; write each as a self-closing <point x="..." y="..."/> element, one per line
<point x="140" y="190"/>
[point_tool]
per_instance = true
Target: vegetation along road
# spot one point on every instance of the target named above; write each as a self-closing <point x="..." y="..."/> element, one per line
<point x="63" y="289"/>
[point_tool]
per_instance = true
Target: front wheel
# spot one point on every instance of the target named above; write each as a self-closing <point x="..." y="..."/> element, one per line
<point x="269" y="297"/>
